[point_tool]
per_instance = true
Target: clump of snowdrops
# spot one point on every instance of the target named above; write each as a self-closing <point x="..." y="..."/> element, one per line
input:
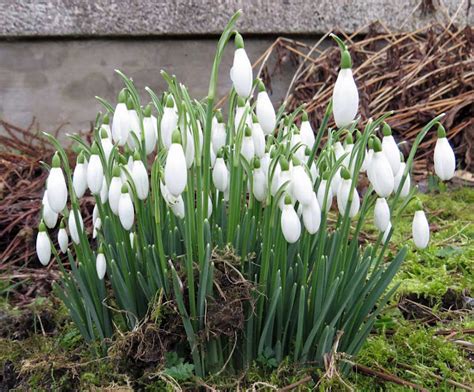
<point x="172" y="180"/>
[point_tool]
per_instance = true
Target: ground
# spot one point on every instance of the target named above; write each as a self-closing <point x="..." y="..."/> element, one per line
<point x="424" y="337"/>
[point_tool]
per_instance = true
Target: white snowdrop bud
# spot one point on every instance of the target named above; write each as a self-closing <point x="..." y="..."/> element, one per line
<point x="398" y="179"/>
<point x="176" y="174"/>
<point x="218" y="133"/>
<point x="100" y="264"/>
<point x="178" y="207"/>
<point x="259" y="184"/>
<point x="50" y="218"/>
<point x="95" y="171"/>
<point x="248" y="148"/>
<point x="368" y="156"/>
<point x="241" y="71"/>
<point x="306" y="131"/>
<point x="79" y="177"/>
<point x="150" y="130"/>
<point x="125" y="209"/>
<point x="345" y="97"/>
<point x="169" y="121"/>
<point x="301" y="185"/>
<point x="390" y="149"/>
<point x="121" y="120"/>
<point x="420" y="228"/>
<point x="380" y="172"/>
<point x="56" y="182"/>
<point x="104" y="191"/>
<point x="140" y="178"/>
<point x="115" y="190"/>
<point x="106" y="144"/>
<point x="96" y="228"/>
<point x="135" y="130"/>
<point x="343" y="194"/>
<point x="63" y="239"/>
<point x="290" y="223"/>
<point x="381" y="214"/>
<point x="444" y="159"/>
<point x="265" y="110"/>
<point x="311" y="215"/>
<point x="285" y="178"/>
<point x="325" y="187"/>
<point x="220" y="175"/>
<point x="258" y="139"/>
<point x="73" y="227"/>
<point x="43" y="245"/>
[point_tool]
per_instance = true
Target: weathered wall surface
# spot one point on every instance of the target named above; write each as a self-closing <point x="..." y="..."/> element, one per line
<point x="184" y="17"/>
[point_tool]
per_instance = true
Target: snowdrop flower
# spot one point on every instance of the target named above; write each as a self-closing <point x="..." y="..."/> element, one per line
<point x="169" y="121"/>
<point x="63" y="239"/>
<point x="301" y="185"/>
<point x="345" y="97"/>
<point x="95" y="171"/>
<point x="121" y="121"/>
<point x="338" y="150"/>
<point x="241" y="118"/>
<point x="189" y="150"/>
<point x="73" y="227"/>
<point x="248" y="148"/>
<point x="241" y="71"/>
<point x="106" y="144"/>
<point x="348" y="147"/>
<point x="313" y="169"/>
<point x="220" y="173"/>
<point x="258" y="138"/>
<point x="125" y="209"/>
<point x="96" y="228"/>
<point x="380" y="172"/>
<point x="150" y="130"/>
<point x="311" y="215"/>
<point x="390" y="148"/>
<point x="104" y="191"/>
<point x="381" y="214"/>
<point x="115" y="190"/>
<point x="218" y="133"/>
<point x="343" y="195"/>
<point x="398" y="179"/>
<point x="140" y="177"/>
<point x="290" y="223"/>
<point x="306" y="131"/>
<point x="259" y="185"/>
<point x="325" y="187"/>
<point x="95" y="214"/>
<point x="420" y="228"/>
<point x="56" y="182"/>
<point x="43" y="245"/>
<point x="178" y="207"/>
<point x="295" y="141"/>
<point x="444" y="159"/>
<point x="265" y="110"/>
<point x="368" y="156"/>
<point x="50" y="218"/>
<point x="265" y="163"/>
<point x="100" y="264"/>
<point x="79" y="177"/>
<point x="135" y="129"/>
<point x="176" y="174"/>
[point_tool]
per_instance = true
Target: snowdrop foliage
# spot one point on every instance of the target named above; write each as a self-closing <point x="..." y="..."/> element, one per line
<point x="174" y="184"/>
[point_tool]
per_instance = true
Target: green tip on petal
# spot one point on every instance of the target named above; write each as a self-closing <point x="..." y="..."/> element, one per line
<point x="377" y="145"/>
<point x="345" y="174"/>
<point x="147" y="111"/>
<point x="305" y="116"/>
<point x="240" y="102"/>
<point x="56" y="161"/>
<point x="124" y="188"/>
<point x="103" y="134"/>
<point x="238" y="41"/>
<point x="248" y="131"/>
<point x="42" y="227"/>
<point x="284" y="164"/>
<point x="219" y="117"/>
<point x="80" y="158"/>
<point x="94" y="149"/>
<point x="254" y="118"/>
<point x="176" y="138"/>
<point x="122" y="97"/>
<point x="261" y="86"/>
<point x="386" y="130"/>
<point x="62" y="224"/>
<point x="287" y="199"/>
<point x="256" y="163"/>
<point x="106" y="119"/>
<point x="169" y="102"/>
<point x="441" y="131"/>
<point x="116" y="171"/>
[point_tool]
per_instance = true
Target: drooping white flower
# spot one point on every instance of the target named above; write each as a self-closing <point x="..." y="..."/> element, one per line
<point x="258" y="139"/>
<point x="420" y="229"/>
<point x="176" y="174"/>
<point x="150" y="129"/>
<point x="368" y="156"/>
<point x="301" y="185"/>
<point x="178" y="207"/>
<point x="96" y="228"/>
<point x="345" y="97"/>
<point x="79" y="177"/>
<point x="218" y="133"/>
<point x="50" y="217"/>
<point x="259" y="185"/>
<point x="43" y="245"/>
<point x="121" y="120"/>
<point x="380" y="172"/>
<point x="265" y="110"/>
<point x="306" y="131"/>
<point x="241" y="71"/>
<point x="189" y="151"/>
<point x="390" y="149"/>
<point x="106" y="144"/>
<point x="63" y="239"/>
<point x="296" y="141"/>
<point x="311" y="215"/>
<point x="140" y="178"/>
<point x="248" y="148"/>
<point x="290" y="223"/>
<point x="220" y="174"/>
<point x="135" y="129"/>
<point x="56" y="183"/>
<point x="325" y="187"/>
<point x="126" y="211"/>
<point x="115" y="190"/>
<point x="100" y="264"/>
<point x="169" y="121"/>
<point x="381" y="214"/>
<point x="95" y="171"/>
<point x="343" y="195"/>
<point x="73" y="227"/>
<point x="95" y="213"/>
<point x="104" y="191"/>
<point x="242" y="117"/>
<point x="398" y="179"/>
<point x="444" y="159"/>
